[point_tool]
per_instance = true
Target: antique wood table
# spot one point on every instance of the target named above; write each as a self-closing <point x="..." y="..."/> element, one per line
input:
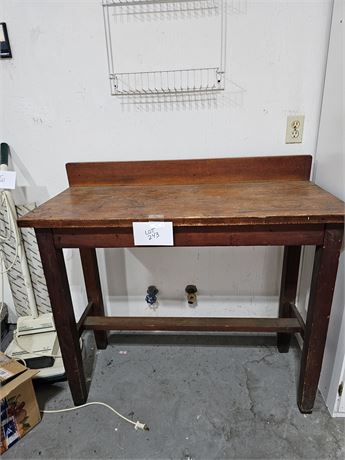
<point x="218" y="202"/>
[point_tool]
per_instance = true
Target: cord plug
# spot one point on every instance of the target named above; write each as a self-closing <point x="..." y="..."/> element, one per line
<point x="141" y="426"/>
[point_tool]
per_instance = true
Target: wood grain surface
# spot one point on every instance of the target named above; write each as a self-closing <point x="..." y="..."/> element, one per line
<point x="234" y="201"/>
<point x="140" y="323"/>
<point x="225" y="235"/>
<point x="319" y="310"/>
<point x="238" y="203"/>
<point x="188" y="172"/>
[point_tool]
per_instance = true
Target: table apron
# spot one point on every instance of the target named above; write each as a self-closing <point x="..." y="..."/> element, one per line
<point x="258" y="235"/>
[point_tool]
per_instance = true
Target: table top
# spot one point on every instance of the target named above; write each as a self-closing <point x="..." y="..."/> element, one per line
<point x="205" y="204"/>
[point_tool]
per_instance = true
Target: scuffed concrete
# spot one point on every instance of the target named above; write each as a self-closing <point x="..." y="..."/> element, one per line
<point x="204" y="397"/>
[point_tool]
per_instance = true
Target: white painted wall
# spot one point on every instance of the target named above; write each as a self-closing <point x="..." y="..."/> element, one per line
<point x="57" y="109"/>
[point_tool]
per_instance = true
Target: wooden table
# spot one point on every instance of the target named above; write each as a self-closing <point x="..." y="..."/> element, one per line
<point x="218" y="202"/>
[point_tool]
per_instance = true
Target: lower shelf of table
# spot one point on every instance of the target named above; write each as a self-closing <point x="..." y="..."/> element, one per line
<point x="138" y="323"/>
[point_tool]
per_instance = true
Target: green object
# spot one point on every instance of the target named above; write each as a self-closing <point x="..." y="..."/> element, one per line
<point x="4" y="153"/>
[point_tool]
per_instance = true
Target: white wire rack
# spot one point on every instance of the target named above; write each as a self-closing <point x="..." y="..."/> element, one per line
<point x="166" y="82"/>
<point x="168" y="6"/>
<point x="160" y="6"/>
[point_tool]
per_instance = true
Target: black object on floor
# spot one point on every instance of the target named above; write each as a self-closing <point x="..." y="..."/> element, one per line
<point x="40" y="362"/>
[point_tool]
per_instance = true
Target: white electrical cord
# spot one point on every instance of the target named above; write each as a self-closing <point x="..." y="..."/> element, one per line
<point x="137" y="425"/>
<point x="22" y="360"/>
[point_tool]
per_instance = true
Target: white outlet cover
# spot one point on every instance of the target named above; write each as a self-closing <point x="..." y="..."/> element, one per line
<point x="294" y="129"/>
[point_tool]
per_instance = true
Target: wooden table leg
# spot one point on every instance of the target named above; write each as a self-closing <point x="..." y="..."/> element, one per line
<point x="288" y="290"/>
<point x="93" y="289"/>
<point x="60" y="297"/>
<point x="319" y="309"/>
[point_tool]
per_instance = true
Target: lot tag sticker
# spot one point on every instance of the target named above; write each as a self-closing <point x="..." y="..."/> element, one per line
<point x="7" y="180"/>
<point x="153" y="234"/>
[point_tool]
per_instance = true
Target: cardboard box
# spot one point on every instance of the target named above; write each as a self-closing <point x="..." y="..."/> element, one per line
<point x="19" y="408"/>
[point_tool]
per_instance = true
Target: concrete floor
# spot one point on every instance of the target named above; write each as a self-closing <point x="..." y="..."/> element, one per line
<point x="219" y="397"/>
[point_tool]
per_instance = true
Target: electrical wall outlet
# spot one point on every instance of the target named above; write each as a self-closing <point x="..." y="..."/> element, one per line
<point x="294" y="129"/>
